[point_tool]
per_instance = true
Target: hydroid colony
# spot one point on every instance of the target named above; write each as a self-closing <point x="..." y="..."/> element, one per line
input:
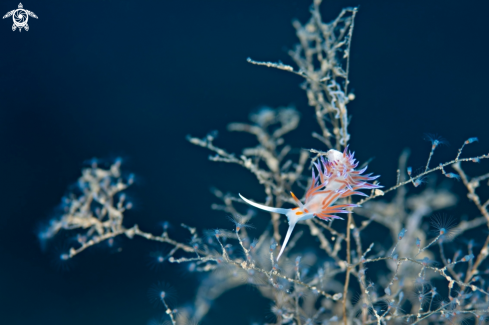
<point x="419" y="276"/>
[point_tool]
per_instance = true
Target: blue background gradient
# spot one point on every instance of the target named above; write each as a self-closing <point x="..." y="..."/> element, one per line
<point x="133" y="78"/>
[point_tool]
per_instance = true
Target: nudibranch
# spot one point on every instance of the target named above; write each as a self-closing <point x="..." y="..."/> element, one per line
<point x="336" y="179"/>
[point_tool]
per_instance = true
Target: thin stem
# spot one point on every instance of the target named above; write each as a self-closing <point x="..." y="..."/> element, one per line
<point x="439" y="167"/>
<point x="169" y="312"/>
<point x="348" y="261"/>
<point x="433" y="147"/>
<point x="426" y="247"/>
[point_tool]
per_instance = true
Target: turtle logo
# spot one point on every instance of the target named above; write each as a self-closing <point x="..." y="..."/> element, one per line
<point x="20" y="17"/>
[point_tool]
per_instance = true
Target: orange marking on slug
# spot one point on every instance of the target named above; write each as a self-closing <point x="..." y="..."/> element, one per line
<point x="293" y="195"/>
<point x="298" y="213"/>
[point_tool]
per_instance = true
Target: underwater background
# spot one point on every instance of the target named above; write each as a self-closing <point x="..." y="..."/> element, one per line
<point x="132" y="79"/>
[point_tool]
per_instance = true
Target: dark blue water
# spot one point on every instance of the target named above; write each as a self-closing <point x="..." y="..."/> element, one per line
<point x="133" y="78"/>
